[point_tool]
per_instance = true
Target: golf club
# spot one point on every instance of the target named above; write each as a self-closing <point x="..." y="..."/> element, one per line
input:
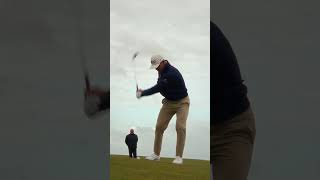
<point x="135" y="73"/>
<point x="85" y="72"/>
<point x="81" y="49"/>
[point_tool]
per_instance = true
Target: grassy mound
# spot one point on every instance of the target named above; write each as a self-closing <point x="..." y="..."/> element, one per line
<point x="124" y="168"/>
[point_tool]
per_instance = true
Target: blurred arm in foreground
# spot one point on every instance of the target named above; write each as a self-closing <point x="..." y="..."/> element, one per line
<point x="96" y="100"/>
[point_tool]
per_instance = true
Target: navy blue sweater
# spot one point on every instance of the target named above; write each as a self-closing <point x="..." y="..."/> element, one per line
<point x="229" y="92"/>
<point x="170" y="84"/>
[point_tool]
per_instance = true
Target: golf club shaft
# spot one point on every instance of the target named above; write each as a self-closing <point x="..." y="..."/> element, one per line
<point x="82" y="50"/>
<point x="86" y="77"/>
<point x="84" y="69"/>
<point x="135" y="73"/>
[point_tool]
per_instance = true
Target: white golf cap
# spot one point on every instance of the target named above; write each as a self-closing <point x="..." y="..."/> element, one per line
<point x="155" y="61"/>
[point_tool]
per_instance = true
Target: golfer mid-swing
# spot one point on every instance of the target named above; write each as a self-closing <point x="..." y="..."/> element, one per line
<point x="171" y="85"/>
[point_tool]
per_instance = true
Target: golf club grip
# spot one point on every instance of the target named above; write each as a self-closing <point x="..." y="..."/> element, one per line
<point x="86" y="77"/>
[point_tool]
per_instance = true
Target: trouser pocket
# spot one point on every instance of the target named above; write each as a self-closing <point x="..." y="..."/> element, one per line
<point x="241" y="127"/>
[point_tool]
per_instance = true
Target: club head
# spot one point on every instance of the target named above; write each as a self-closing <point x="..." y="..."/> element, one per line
<point x="135" y="55"/>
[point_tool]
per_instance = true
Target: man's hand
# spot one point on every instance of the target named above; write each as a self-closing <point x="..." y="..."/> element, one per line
<point x="95" y="92"/>
<point x="96" y="100"/>
<point x="139" y="93"/>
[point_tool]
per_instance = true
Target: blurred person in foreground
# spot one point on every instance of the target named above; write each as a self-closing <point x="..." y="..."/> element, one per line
<point x="232" y="131"/>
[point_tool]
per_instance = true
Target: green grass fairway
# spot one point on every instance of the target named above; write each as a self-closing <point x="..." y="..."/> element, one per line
<point x="123" y="168"/>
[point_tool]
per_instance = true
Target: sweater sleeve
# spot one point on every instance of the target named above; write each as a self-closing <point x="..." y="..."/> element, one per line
<point x="105" y="101"/>
<point x="150" y="91"/>
<point x="162" y="83"/>
<point x="126" y="140"/>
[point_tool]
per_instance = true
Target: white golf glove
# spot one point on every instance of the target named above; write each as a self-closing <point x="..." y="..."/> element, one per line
<point x="138" y="93"/>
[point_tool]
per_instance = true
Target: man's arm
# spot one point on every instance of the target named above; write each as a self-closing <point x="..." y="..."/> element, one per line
<point x="150" y="91"/>
<point x="126" y="140"/>
<point x="96" y="100"/>
<point x="162" y="83"/>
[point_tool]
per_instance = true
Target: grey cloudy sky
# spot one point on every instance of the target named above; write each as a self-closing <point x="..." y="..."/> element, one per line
<point x="179" y="32"/>
<point x="277" y="47"/>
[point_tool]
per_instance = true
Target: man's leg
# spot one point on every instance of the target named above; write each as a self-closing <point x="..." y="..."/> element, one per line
<point x="227" y="168"/>
<point x="134" y="152"/>
<point x="164" y="118"/>
<point x="232" y="147"/>
<point x="130" y="152"/>
<point x="211" y="170"/>
<point x="181" y="124"/>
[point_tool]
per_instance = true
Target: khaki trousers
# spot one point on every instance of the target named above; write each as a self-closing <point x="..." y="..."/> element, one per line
<point x="170" y="108"/>
<point x="232" y="146"/>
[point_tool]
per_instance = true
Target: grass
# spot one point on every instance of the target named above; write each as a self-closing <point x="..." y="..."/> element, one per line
<point x="124" y="168"/>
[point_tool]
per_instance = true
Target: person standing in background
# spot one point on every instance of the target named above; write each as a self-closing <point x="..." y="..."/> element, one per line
<point x="132" y="141"/>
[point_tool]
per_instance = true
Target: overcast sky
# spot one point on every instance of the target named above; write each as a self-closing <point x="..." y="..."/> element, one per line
<point x="179" y="32"/>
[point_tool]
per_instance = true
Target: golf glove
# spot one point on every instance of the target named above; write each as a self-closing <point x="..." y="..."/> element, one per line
<point x="138" y="94"/>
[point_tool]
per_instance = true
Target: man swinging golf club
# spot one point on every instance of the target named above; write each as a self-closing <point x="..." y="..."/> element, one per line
<point x="176" y="101"/>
